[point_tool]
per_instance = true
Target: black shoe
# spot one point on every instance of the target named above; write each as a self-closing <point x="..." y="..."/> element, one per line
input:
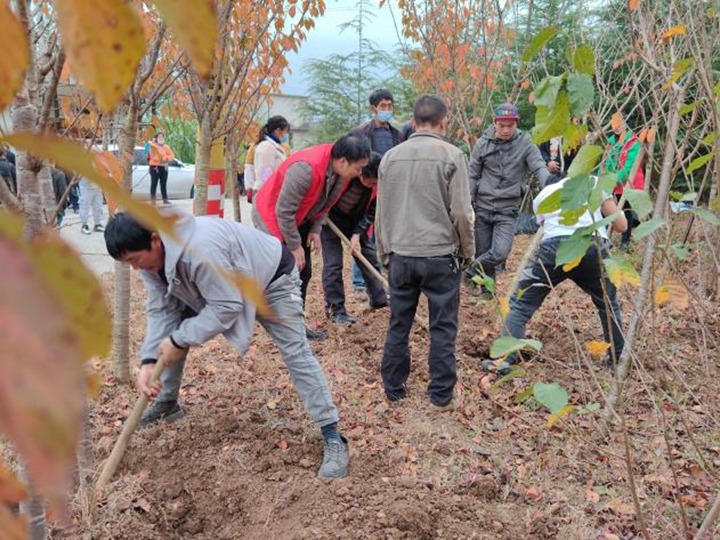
<point x="395" y="396"/>
<point x="381" y="305"/>
<point x="343" y="318"/>
<point x="315" y="335"/>
<point x="161" y="410"/>
<point x="489" y="366"/>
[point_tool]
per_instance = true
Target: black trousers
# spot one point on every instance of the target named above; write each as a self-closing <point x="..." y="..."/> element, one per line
<point x="438" y="278"/>
<point x="332" y="274"/>
<point x="541" y="276"/>
<point x="158" y="173"/>
<point x="306" y="272"/>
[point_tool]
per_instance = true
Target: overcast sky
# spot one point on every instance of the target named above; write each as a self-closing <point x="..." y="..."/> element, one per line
<point x="326" y="38"/>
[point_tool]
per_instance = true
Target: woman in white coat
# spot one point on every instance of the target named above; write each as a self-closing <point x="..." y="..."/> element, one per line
<point x="270" y="151"/>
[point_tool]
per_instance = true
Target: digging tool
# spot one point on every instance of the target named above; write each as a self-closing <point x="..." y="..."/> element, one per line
<point x="344" y="239"/>
<point x="131" y="423"/>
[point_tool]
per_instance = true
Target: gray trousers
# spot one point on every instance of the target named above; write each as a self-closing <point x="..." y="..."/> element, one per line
<point x="494" y="234"/>
<point x="287" y="330"/>
<point x="90" y="198"/>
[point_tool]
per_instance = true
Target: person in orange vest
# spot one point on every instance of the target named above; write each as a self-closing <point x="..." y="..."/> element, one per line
<point x="296" y="198"/>
<point x="621" y="152"/>
<point x="159" y="155"/>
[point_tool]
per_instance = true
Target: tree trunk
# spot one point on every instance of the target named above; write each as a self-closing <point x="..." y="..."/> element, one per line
<point x="202" y="167"/>
<point x="659" y="211"/>
<point x="231" y="157"/>
<point x="33" y="510"/>
<point x="121" y="314"/>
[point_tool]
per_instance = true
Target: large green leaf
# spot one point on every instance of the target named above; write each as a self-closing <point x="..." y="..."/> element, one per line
<point x="551" y="123"/>
<point x="586" y="160"/>
<point x="649" y="227"/>
<point x="551" y="204"/>
<point x="640" y="201"/>
<point x="573" y="247"/>
<point x="706" y="215"/>
<point x="546" y="92"/>
<point x="581" y="92"/>
<point x="698" y="162"/>
<point x="575" y="192"/>
<point x="538" y="42"/>
<point x="584" y="59"/>
<point x="504" y="345"/>
<point x="553" y="396"/>
<point x="688" y="107"/>
<point x="574" y="136"/>
<point x="679" y="69"/>
<point x="602" y="190"/>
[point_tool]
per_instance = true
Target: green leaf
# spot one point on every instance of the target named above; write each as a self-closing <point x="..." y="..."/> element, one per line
<point x="589" y="408"/>
<point x="581" y="91"/>
<point x="680" y="251"/>
<point x="584" y="59"/>
<point x="485" y="281"/>
<point x="688" y="108"/>
<point x="553" y="396"/>
<point x="505" y="345"/>
<point x="571" y="217"/>
<point x="572" y="247"/>
<point x="603" y="188"/>
<point x="551" y="204"/>
<point x="546" y="92"/>
<point x="699" y="162"/>
<point x="709" y="139"/>
<point x="575" y="192"/>
<point x="706" y="215"/>
<point x="688" y="197"/>
<point x="586" y="160"/>
<point x="574" y="136"/>
<point x="649" y="227"/>
<point x="640" y="201"/>
<point x="620" y="271"/>
<point x="550" y="123"/>
<point x="524" y="395"/>
<point x="679" y="69"/>
<point x="515" y="372"/>
<point x="538" y="42"/>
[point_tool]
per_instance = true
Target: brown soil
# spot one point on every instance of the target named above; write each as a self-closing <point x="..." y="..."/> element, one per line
<point x="242" y="463"/>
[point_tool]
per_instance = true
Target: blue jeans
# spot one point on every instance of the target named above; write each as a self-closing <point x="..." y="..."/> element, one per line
<point x="541" y="276"/>
<point x="438" y="278"/>
<point x="287" y="330"/>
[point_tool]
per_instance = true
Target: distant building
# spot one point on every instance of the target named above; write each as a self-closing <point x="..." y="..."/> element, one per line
<point x="288" y="106"/>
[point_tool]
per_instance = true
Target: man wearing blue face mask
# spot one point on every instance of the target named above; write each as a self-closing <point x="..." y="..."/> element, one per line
<point x="382" y="136"/>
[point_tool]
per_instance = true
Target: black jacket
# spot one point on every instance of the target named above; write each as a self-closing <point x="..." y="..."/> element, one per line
<point x="366" y="130"/>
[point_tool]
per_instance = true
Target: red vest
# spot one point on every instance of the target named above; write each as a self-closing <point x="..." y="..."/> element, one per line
<point x="318" y="157"/>
<point x="639" y="181"/>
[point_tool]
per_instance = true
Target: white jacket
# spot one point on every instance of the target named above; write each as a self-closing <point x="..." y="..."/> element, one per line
<point x="268" y="157"/>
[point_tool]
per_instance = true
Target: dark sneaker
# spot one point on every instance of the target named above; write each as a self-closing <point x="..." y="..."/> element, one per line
<point x="85" y="229"/>
<point x="165" y="201"/>
<point x="336" y="458"/>
<point x="395" y="396"/>
<point x="99" y="228"/>
<point x="315" y="335"/>
<point x="489" y="366"/>
<point x="343" y="318"/>
<point x="381" y="305"/>
<point x="161" y="410"/>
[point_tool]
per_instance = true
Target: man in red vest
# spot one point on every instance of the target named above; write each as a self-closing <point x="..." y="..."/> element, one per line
<point x="294" y="201"/>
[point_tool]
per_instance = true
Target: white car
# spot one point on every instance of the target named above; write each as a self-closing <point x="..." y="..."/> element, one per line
<point x="180" y="182"/>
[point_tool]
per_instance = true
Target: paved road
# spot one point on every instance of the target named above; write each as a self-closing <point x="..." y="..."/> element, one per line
<point x="92" y="246"/>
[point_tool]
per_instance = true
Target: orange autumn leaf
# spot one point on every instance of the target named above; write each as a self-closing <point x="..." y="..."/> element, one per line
<point x="597" y="349"/>
<point x="525" y="84"/>
<point x="633" y="5"/>
<point x="677" y="30"/>
<point x="674" y="293"/>
<point x="642" y="136"/>
<point x="616" y="120"/>
<point x="651" y="135"/>
<point x="531" y="97"/>
<point x="14" y="43"/>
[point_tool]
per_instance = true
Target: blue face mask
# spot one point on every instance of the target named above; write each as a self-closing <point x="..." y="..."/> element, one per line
<point x="285" y="138"/>
<point x="384" y="116"/>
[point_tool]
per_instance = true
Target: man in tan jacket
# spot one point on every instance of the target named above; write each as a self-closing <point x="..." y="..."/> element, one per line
<point x="424" y="226"/>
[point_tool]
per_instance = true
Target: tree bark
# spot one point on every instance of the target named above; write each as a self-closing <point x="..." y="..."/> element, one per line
<point x="231" y="158"/>
<point x="202" y="167"/>
<point x="121" y="313"/>
<point x="33" y="510"/>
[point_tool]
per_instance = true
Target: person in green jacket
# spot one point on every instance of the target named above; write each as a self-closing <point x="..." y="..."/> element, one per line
<point x="621" y="153"/>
